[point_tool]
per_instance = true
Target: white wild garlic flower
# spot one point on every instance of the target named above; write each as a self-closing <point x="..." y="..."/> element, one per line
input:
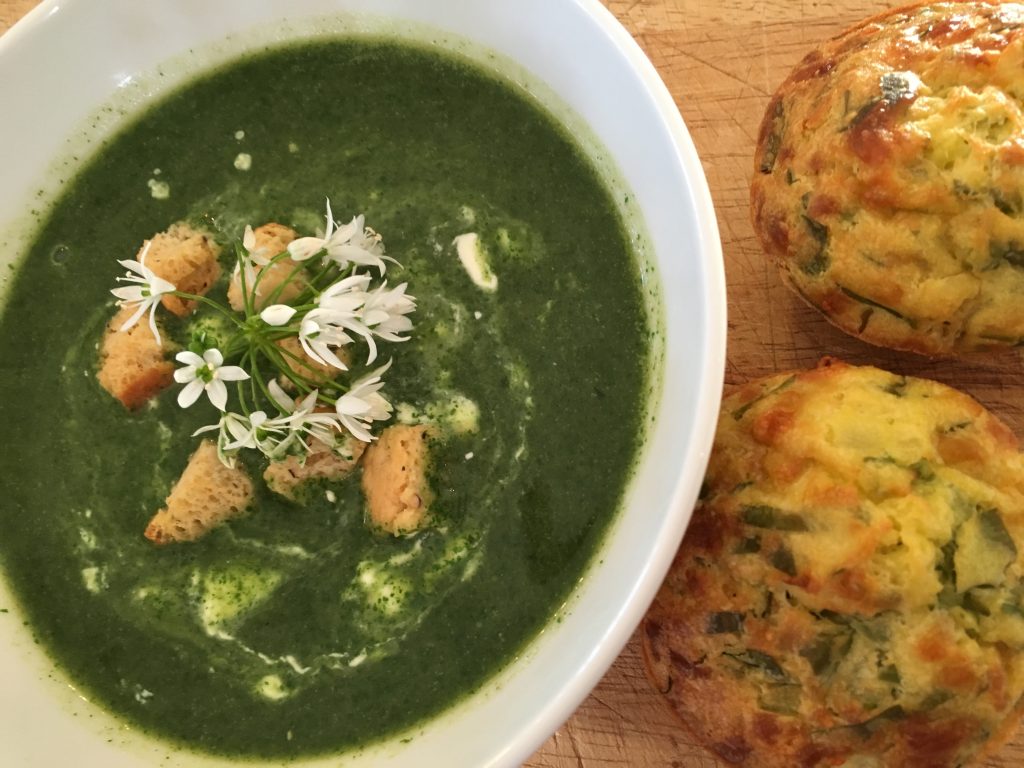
<point x="318" y="335"/>
<point x="260" y="433"/>
<point x="205" y="374"/>
<point x="363" y="404"/>
<point x="229" y="427"/>
<point x="353" y="243"/>
<point x="306" y="417"/>
<point x="256" y="255"/>
<point x="385" y="310"/>
<point x="145" y="294"/>
<point x="257" y="431"/>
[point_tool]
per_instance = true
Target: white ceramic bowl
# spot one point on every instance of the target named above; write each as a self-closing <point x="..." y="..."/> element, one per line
<point x="67" y="58"/>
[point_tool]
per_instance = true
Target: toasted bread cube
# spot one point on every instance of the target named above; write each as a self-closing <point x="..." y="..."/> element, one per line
<point x="207" y="494"/>
<point x="132" y="365"/>
<point x="394" y="478"/>
<point x="187" y="258"/>
<point x="285" y="477"/>
<point x="271" y="239"/>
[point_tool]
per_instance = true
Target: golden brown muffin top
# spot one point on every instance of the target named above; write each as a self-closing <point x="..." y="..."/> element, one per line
<point x="850" y="587"/>
<point x="889" y="178"/>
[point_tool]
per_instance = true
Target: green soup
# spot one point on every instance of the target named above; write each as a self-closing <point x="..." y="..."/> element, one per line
<point x="298" y="625"/>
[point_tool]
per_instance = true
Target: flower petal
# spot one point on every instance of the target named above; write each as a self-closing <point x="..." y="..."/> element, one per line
<point x="373" y="348"/>
<point x="307" y="347"/>
<point x="190" y="393"/>
<point x="348" y="231"/>
<point x="280" y="396"/>
<point x="190" y="358"/>
<point x="230" y="373"/>
<point x="330" y="221"/>
<point x="185" y="375"/>
<point x="304" y="248"/>
<point x="213" y="358"/>
<point x="132" y="265"/>
<point x="218" y="394"/>
<point x="152" y="325"/>
<point x="133" y="319"/>
<point x="131" y="293"/>
<point x="349" y="405"/>
<point x="236" y="426"/>
<point x="362" y="434"/>
<point x="158" y="286"/>
<point x="329" y="358"/>
<point x="249" y="239"/>
<point x="309" y="403"/>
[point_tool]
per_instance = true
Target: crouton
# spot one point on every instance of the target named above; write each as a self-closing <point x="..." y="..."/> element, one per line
<point x="286" y="476"/>
<point x="132" y="365"/>
<point x="207" y="494"/>
<point x="307" y="367"/>
<point x="271" y="239"/>
<point x="394" y="478"/>
<point x="186" y="258"/>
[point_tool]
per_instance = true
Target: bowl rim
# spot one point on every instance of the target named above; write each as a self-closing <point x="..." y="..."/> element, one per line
<point x="610" y="642"/>
<point x="710" y="385"/>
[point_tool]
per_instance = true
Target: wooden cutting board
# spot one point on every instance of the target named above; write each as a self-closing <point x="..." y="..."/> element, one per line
<point x="721" y="61"/>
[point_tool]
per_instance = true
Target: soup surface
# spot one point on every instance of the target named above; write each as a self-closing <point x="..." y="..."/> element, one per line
<point x="298" y="629"/>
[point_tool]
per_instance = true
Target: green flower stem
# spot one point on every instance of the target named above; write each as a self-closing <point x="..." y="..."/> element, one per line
<point x="241" y="387"/>
<point x="274" y="354"/>
<point x="334" y="382"/>
<point x="276" y="293"/>
<point x="210" y="303"/>
<point x="301" y="361"/>
<point x="237" y="344"/>
<point x="254" y="368"/>
<point x="259" y="277"/>
<point x="307" y="293"/>
<point x="274" y="333"/>
<point x="312" y="289"/>
<point x="257" y="377"/>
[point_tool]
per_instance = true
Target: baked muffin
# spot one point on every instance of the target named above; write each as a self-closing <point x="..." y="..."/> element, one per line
<point x="889" y="178"/>
<point x="850" y="590"/>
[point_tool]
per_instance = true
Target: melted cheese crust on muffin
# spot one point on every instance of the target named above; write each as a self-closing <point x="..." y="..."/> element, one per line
<point x="889" y="178"/>
<point x="850" y="590"/>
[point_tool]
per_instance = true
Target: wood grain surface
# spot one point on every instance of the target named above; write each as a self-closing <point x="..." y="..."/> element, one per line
<point x="721" y="61"/>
